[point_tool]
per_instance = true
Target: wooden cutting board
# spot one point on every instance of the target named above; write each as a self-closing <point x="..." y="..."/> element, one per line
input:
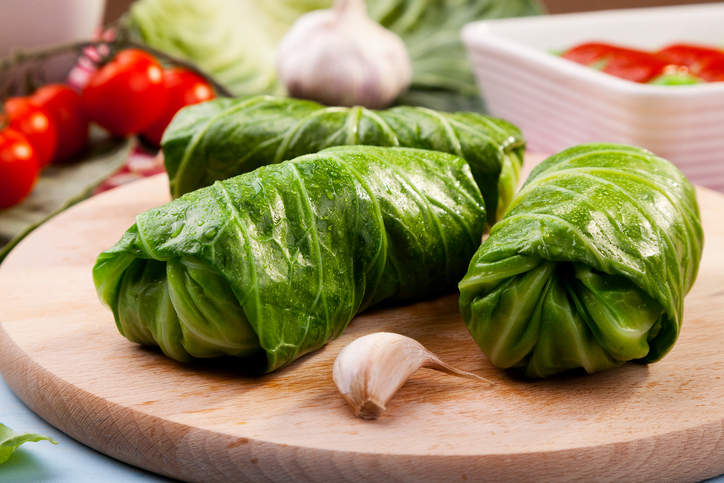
<point x="62" y="355"/>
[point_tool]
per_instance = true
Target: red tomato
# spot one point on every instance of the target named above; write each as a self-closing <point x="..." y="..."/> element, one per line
<point x="703" y="62"/>
<point x="65" y="108"/>
<point x="19" y="167"/>
<point x="634" y="65"/>
<point x="36" y="124"/>
<point x="629" y="64"/>
<point x="127" y="94"/>
<point x="691" y="56"/>
<point x="712" y="69"/>
<point x="588" y="54"/>
<point x="184" y="88"/>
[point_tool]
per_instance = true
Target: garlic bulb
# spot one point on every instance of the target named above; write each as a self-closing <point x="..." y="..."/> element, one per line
<point x="369" y="371"/>
<point x="340" y="57"/>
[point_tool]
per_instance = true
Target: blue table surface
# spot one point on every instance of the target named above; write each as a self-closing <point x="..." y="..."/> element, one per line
<point x="69" y="461"/>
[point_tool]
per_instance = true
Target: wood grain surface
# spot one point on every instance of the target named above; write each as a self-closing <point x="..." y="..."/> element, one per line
<point x="62" y="355"/>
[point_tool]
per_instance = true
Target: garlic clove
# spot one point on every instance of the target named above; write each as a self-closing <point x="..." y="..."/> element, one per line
<point x="341" y="57"/>
<point x="369" y="371"/>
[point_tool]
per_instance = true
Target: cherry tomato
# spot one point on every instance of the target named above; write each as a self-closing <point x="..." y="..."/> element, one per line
<point x="184" y="88"/>
<point x="36" y="124"/>
<point x="127" y="94"/>
<point x="19" y="167"/>
<point x="65" y="108"/>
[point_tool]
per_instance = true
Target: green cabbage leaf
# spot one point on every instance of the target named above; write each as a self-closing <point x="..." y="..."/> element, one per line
<point x="431" y="31"/>
<point x="590" y="265"/>
<point x="272" y="264"/>
<point x="231" y="40"/>
<point x="235" y="40"/>
<point x="225" y="137"/>
<point x="10" y="441"/>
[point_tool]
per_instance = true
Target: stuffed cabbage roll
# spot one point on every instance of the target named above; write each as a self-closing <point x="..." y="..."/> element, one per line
<point x="225" y="137"/>
<point x="590" y="265"/>
<point x="272" y="264"/>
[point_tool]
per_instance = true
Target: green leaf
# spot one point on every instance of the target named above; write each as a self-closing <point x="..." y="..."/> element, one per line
<point x="442" y="100"/>
<point x="232" y="40"/>
<point x="60" y="187"/>
<point x="431" y="31"/>
<point x="10" y="441"/>
<point x="676" y="80"/>
<point x="590" y="265"/>
<point x="227" y="137"/>
<point x="272" y="264"/>
<point x="235" y="40"/>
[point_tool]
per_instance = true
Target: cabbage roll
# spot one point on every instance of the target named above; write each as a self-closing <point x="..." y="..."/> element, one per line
<point x="272" y="264"/>
<point x="590" y="265"/>
<point x="225" y="137"/>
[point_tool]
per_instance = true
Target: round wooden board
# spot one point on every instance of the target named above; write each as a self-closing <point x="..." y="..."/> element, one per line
<point x="62" y="355"/>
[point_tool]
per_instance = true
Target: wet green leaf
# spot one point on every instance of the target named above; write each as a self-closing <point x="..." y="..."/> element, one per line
<point x="226" y="137"/>
<point x="272" y="264"/>
<point x="590" y="265"/>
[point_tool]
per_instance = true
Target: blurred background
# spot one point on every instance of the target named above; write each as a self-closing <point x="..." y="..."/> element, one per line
<point x="565" y="6"/>
<point x="116" y="8"/>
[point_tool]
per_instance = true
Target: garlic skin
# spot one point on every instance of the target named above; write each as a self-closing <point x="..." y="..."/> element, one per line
<point x="340" y="57"/>
<point x="369" y="371"/>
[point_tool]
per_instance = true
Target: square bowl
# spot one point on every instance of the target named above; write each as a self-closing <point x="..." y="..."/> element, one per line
<point x="558" y="103"/>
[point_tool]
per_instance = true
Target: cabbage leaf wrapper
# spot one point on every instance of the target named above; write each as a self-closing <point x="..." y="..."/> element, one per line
<point x="226" y="137"/>
<point x="590" y="265"/>
<point x="272" y="264"/>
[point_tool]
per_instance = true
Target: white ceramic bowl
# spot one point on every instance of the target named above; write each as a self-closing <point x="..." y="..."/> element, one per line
<point x="558" y="103"/>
